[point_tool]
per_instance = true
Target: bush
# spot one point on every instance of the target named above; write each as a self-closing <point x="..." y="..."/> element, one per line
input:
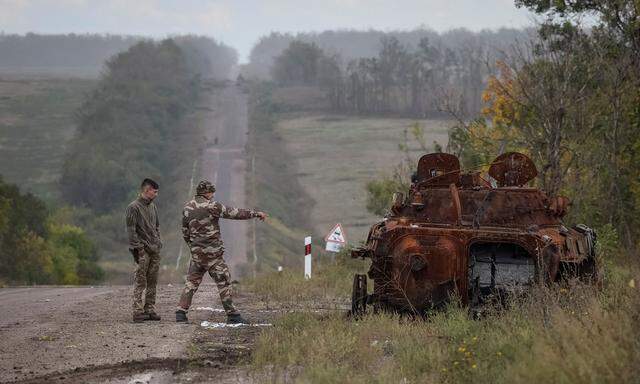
<point x="36" y="249"/>
<point x="75" y="255"/>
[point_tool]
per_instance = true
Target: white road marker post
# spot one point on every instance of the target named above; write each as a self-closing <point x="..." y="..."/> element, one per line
<point x="307" y="257"/>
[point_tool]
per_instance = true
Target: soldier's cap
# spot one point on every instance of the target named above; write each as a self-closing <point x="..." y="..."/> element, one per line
<point x="205" y="186"/>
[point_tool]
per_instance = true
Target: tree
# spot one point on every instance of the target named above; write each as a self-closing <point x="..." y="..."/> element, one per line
<point x="611" y="175"/>
<point x="298" y="64"/>
<point x="543" y="96"/>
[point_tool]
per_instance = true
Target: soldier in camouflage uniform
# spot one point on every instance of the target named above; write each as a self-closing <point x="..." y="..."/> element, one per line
<point x="201" y="231"/>
<point x="144" y="244"/>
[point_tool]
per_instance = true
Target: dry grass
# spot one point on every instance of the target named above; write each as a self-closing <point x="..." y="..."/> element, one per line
<point x="559" y="335"/>
<point x="329" y="288"/>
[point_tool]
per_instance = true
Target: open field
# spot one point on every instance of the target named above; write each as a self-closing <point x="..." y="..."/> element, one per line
<point x="336" y="156"/>
<point x="36" y="123"/>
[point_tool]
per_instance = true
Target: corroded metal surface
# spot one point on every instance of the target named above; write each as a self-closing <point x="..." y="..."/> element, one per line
<point x="454" y="234"/>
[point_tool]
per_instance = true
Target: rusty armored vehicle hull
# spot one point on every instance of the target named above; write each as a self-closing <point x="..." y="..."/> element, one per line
<point x="458" y="235"/>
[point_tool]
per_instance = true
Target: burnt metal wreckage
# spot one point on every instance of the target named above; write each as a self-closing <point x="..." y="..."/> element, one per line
<point x="456" y="235"/>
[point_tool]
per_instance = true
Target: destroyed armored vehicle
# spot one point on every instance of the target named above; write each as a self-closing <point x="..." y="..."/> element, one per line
<point x="460" y="235"/>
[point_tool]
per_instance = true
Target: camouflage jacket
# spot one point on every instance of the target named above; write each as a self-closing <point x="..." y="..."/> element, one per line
<point x="143" y="226"/>
<point x="200" y="221"/>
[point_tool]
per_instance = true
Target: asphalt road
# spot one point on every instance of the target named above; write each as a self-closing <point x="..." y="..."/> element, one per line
<point x="58" y="329"/>
<point x="86" y="335"/>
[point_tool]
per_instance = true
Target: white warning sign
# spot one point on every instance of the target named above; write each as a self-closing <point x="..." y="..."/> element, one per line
<point x="335" y="239"/>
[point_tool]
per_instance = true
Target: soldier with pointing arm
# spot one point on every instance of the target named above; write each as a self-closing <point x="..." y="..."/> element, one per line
<point x="201" y="232"/>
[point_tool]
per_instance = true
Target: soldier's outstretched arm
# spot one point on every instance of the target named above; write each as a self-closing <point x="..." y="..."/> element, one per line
<point x="220" y="210"/>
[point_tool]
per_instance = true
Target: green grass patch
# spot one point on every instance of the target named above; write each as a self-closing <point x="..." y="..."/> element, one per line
<point x="566" y="334"/>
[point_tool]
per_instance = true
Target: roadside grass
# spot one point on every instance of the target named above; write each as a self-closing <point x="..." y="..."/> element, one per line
<point x="336" y="155"/>
<point x="562" y="334"/>
<point x="36" y="124"/>
<point x="329" y="288"/>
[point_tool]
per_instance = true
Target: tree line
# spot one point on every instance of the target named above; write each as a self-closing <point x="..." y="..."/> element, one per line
<point x="60" y="51"/>
<point x="64" y="51"/>
<point x="398" y="76"/>
<point x="356" y="44"/>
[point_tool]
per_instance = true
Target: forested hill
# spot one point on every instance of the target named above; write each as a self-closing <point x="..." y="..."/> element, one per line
<point x="353" y="44"/>
<point x="85" y="54"/>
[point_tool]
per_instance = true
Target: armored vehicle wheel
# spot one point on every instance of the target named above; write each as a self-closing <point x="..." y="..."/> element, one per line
<point x="359" y="295"/>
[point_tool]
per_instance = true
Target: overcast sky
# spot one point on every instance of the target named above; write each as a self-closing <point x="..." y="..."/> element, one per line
<point x="240" y="23"/>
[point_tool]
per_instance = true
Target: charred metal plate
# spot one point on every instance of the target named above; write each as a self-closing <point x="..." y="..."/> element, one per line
<point x="513" y="169"/>
<point x="439" y="168"/>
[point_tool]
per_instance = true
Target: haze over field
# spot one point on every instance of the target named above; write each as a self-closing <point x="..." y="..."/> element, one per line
<point x="241" y="23"/>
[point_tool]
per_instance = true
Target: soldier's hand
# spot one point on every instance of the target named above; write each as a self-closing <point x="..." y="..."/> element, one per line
<point x="261" y="215"/>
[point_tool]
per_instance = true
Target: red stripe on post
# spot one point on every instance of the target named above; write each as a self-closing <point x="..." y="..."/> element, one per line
<point x="307" y="249"/>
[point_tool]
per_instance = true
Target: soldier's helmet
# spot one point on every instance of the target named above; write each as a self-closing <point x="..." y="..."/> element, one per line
<point x="205" y="186"/>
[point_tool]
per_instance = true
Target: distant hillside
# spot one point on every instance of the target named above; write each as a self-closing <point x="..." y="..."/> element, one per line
<point x="84" y="55"/>
<point x="34" y="53"/>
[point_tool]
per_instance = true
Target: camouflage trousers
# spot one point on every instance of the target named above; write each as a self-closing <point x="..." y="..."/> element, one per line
<point x="145" y="279"/>
<point x="212" y="262"/>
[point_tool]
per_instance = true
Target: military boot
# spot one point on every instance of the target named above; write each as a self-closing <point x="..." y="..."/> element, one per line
<point x="236" y="319"/>
<point x="140" y="317"/>
<point x="181" y="317"/>
<point x="153" y="316"/>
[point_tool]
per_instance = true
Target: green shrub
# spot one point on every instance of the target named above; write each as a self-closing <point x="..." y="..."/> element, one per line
<point x="36" y="247"/>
